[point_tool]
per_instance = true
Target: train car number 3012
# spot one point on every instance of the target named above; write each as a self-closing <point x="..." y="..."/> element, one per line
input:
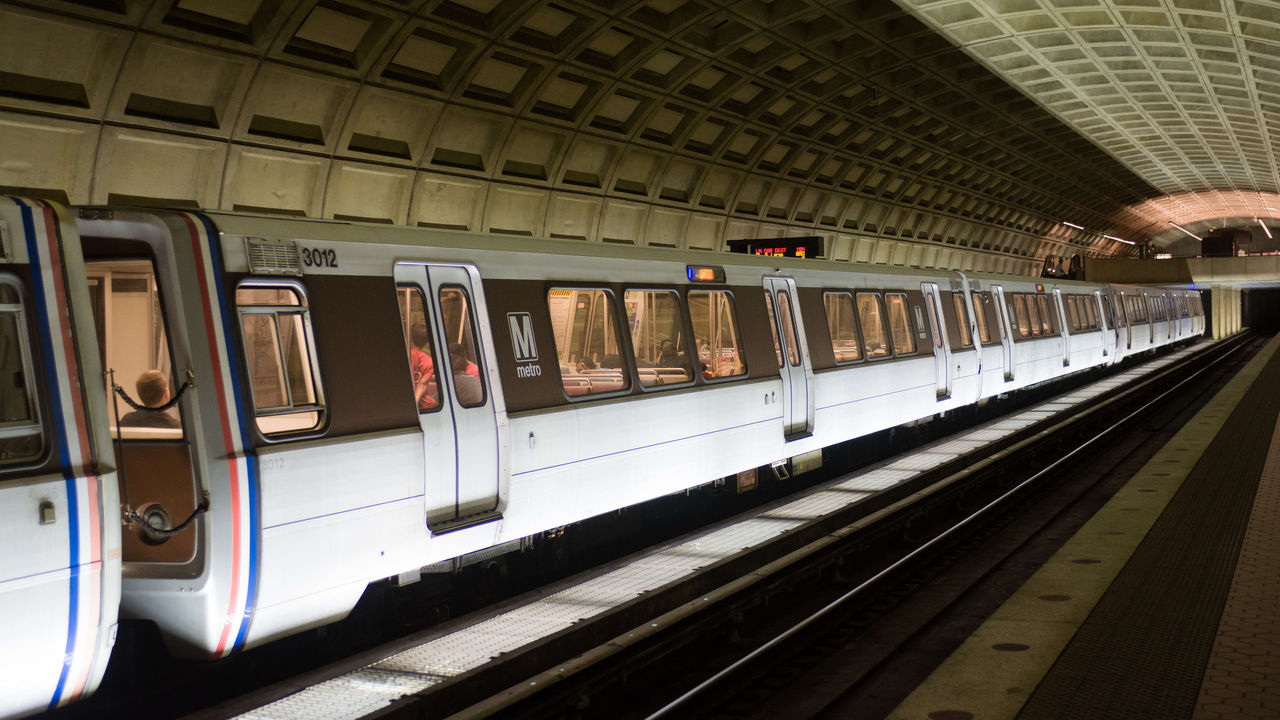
<point x="319" y="258"/>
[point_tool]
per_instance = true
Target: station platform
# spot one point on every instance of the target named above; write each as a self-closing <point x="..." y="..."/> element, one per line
<point x="1165" y="604"/>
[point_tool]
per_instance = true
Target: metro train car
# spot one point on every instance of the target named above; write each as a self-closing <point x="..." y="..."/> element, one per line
<point x="60" y="560"/>
<point x="300" y="408"/>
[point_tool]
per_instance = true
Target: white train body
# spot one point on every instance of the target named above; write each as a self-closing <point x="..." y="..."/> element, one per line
<point x="327" y="466"/>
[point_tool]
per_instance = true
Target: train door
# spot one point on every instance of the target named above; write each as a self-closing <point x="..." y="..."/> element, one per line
<point x="460" y="406"/>
<point x="1006" y="330"/>
<point x="960" y="287"/>
<point x="131" y="287"/>
<point x="941" y="348"/>
<point x="1063" y="336"/>
<point x="59" y="528"/>
<point x="793" y="358"/>
<point x="1108" y="325"/>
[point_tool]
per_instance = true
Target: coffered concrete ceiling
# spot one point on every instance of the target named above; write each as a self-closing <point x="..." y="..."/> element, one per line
<point x="944" y="133"/>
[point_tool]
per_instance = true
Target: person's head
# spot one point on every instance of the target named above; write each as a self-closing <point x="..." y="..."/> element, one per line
<point x="667" y="348"/>
<point x="458" y="357"/>
<point x="418" y="334"/>
<point x="153" y="388"/>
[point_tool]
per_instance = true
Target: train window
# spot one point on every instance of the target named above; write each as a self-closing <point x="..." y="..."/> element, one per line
<point x="1073" y="310"/>
<point x="1090" y="311"/>
<point x="871" y="317"/>
<point x="418" y="343"/>
<point x="20" y="433"/>
<point x="279" y="352"/>
<point x="134" y="348"/>
<point x="1023" y="327"/>
<point x="1117" y="311"/>
<point x="980" y="312"/>
<point x="1047" y="323"/>
<point x="585" y="328"/>
<point x="843" y="326"/>
<point x="657" y="337"/>
<point x="904" y="342"/>
<point x="1033" y="311"/>
<point x="789" y="327"/>
<point x="1140" y="303"/>
<point x="773" y="326"/>
<point x="962" y="319"/>
<point x="715" y="330"/>
<point x="460" y="340"/>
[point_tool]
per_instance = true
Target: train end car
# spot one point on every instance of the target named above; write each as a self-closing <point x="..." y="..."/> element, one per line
<point x="60" y="533"/>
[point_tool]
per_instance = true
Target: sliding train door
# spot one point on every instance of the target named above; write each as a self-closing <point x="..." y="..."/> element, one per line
<point x="793" y="360"/>
<point x="1006" y="330"/>
<point x="941" y="348"/>
<point x="460" y="406"/>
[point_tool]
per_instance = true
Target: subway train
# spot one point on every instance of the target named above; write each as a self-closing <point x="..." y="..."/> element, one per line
<point x="231" y="425"/>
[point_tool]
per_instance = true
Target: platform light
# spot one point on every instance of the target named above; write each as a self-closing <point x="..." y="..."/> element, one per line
<point x="1071" y="224"/>
<point x="1185" y="230"/>
<point x="1113" y="237"/>
<point x="1265" y="229"/>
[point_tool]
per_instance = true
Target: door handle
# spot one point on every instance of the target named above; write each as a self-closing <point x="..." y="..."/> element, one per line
<point x="48" y="515"/>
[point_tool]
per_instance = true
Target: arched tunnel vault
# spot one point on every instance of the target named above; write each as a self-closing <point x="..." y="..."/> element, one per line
<point x="664" y="122"/>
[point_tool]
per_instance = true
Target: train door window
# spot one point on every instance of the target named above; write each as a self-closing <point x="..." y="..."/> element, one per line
<point x="1073" y="308"/>
<point x="275" y="323"/>
<point x="904" y="343"/>
<point x="1047" y="324"/>
<point x="1033" y="311"/>
<point x="871" y="317"/>
<point x="657" y="337"/>
<point x="135" y="349"/>
<point x="962" y="319"/>
<point x="418" y="343"/>
<point x="21" y="437"/>
<point x="584" y="325"/>
<point x="1023" y="326"/>
<point x="715" y="330"/>
<point x="773" y="327"/>
<point x="789" y="327"/>
<point x="979" y="311"/>
<point x="460" y="341"/>
<point x="843" y="327"/>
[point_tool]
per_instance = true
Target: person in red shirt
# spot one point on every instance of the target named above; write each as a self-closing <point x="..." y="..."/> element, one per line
<point x="422" y="367"/>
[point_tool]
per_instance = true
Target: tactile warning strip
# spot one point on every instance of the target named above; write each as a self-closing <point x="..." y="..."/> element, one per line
<point x="1081" y="638"/>
<point x="357" y="694"/>
<point x="1243" y="676"/>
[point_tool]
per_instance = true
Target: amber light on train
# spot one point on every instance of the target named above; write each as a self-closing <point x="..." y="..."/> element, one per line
<point x="1039" y="287"/>
<point x="705" y="273"/>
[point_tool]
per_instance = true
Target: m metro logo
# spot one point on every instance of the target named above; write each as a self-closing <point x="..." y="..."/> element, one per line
<point x="523" y="344"/>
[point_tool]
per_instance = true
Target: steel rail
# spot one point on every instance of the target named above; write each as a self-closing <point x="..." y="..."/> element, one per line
<point x="738" y="665"/>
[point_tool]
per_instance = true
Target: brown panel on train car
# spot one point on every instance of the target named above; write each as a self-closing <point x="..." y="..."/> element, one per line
<point x="527" y="384"/>
<point x="813" y="312"/>
<point x="756" y="338"/>
<point x="360" y="346"/>
<point x="158" y="473"/>
<point x="363" y="366"/>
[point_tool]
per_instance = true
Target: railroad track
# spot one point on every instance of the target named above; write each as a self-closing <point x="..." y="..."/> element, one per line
<point x="736" y="649"/>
